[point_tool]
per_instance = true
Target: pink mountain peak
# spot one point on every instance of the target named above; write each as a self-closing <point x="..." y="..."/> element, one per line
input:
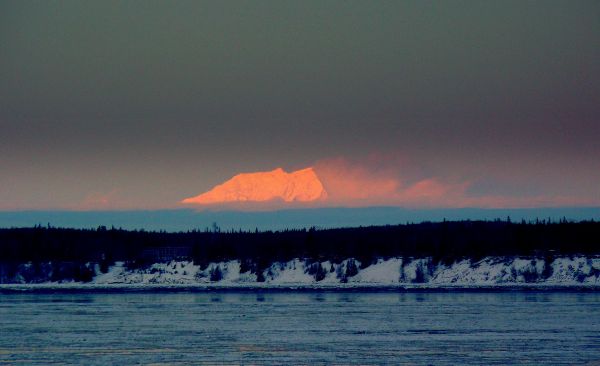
<point x="299" y="186"/>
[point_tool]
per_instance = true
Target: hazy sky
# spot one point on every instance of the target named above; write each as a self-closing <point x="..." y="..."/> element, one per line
<point x="140" y="104"/>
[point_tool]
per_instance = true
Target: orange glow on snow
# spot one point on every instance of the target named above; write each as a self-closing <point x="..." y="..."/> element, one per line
<point x="299" y="186"/>
<point x="342" y="183"/>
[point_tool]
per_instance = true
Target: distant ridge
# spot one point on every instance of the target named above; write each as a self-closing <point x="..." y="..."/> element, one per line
<point x="189" y="219"/>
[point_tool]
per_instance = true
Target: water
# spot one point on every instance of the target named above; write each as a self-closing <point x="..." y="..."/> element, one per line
<point x="300" y="328"/>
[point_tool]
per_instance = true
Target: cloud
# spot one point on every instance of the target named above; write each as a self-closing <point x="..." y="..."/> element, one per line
<point x="378" y="180"/>
<point x="373" y="181"/>
<point x="96" y="200"/>
<point x="111" y="200"/>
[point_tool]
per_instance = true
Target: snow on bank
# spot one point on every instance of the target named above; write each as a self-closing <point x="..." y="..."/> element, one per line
<point x="563" y="271"/>
<point x="175" y="272"/>
<point x="491" y="271"/>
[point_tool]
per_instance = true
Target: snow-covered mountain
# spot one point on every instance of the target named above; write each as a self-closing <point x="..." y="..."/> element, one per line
<point x="298" y="186"/>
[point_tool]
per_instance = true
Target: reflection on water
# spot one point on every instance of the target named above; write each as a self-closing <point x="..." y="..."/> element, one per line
<point x="300" y="328"/>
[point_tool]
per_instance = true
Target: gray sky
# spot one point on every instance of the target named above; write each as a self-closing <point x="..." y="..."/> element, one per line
<point x="143" y="103"/>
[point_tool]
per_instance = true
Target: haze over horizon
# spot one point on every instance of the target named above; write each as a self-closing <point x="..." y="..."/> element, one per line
<point x="139" y="105"/>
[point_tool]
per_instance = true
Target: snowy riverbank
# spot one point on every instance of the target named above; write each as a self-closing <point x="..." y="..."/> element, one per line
<point x="491" y="272"/>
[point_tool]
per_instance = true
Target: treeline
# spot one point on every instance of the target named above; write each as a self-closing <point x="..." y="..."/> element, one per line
<point x="443" y="241"/>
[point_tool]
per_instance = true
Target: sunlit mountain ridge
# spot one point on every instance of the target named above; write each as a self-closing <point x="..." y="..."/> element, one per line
<point x="298" y="186"/>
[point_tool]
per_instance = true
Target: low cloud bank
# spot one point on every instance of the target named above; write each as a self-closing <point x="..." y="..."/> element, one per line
<point x="355" y="183"/>
<point x="373" y="181"/>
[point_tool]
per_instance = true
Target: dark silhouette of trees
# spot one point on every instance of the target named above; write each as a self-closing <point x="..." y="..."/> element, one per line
<point x="317" y="271"/>
<point x="347" y="270"/>
<point x="75" y="253"/>
<point x="216" y="274"/>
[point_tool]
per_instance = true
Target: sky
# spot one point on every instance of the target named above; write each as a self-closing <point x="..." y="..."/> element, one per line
<point x="140" y="104"/>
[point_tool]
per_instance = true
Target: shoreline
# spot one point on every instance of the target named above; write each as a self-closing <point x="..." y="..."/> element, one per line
<point x="300" y="288"/>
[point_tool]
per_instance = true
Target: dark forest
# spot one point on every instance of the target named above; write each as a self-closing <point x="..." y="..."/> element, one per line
<point x="442" y="241"/>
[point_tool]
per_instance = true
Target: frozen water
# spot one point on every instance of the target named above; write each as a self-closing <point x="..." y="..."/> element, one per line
<point x="300" y="328"/>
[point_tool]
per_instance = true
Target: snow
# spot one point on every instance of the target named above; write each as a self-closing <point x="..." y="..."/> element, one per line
<point x="383" y="272"/>
<point x="292" y="272"/>
<point x="586" y="270"/>
<point x="298" y="186"/>
<point x="490" y="271"/>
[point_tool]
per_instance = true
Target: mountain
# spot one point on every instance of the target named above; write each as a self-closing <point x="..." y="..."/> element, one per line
<point x="299" y="186"/>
